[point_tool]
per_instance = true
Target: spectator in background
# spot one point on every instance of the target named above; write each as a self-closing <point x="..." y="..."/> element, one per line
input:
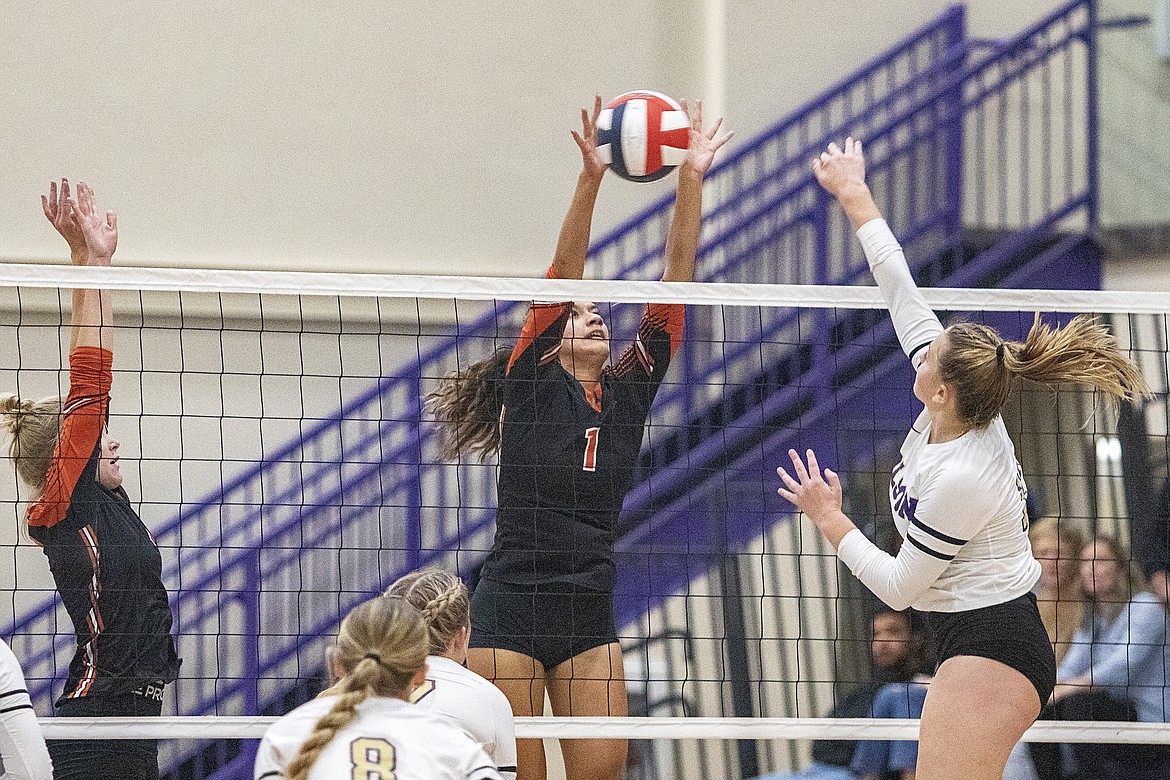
<point x="1115" y="669"/>
<point x="876" y="759"/>
<point x="1059" y="595"/>
<point x="898" y="651"/>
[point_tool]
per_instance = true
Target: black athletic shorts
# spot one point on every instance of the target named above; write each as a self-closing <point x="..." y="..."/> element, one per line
<point x="1011" y="633"/>
<point x="551" y="623"/>
<point x="112" y="759"/>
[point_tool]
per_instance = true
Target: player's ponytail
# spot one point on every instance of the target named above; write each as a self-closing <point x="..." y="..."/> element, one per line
<point x="34" y="427"/>
<point x="467" y="405"/>
<point x="381" y="646"/>
<point x="441" y="598"/>
<point x="981" y="366"/>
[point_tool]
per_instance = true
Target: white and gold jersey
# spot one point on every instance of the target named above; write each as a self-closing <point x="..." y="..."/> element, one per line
<point x="475" y="705"/>
<point x="389" y="739"/>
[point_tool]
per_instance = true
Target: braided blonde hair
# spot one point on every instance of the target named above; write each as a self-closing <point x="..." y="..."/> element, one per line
<point x="981" y="366"/>
<point x="441" y="598"/>
<point x="382" y="645"/>
<point x="35" y="427"/>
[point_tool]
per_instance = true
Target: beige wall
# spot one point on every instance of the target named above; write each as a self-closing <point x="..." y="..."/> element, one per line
<point x="378" y="136"/>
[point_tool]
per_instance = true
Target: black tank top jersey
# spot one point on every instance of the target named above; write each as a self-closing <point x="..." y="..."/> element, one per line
<point x="103" y="560"/>
<point x="566" y="458"/>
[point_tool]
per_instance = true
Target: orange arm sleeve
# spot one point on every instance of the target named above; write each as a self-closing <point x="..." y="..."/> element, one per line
<point x="541" y="316"/>
<point x="83" y="418"/>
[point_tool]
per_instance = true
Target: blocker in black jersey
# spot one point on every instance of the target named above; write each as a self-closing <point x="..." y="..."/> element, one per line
<point x="568" y="451"/>
<point x="103" y="560"/>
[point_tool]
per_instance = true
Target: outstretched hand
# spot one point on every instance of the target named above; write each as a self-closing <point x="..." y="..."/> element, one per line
<point x="58" y="208"/>
<point x="100" y="233"/>
<point x="702" y="146"/>
<point x="840" y="170"/>
<point x="817" y="496"/>
<point x="591" y="161"/>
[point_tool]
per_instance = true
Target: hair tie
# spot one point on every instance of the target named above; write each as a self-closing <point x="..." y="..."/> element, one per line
<point x="999" y="353"/>
<point x="377" y="658"/>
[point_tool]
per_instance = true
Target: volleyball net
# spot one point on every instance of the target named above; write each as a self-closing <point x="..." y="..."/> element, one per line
<point x="274" y="437"/>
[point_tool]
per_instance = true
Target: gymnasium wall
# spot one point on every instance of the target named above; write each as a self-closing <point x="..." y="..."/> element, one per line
<point x="416" y="137"/>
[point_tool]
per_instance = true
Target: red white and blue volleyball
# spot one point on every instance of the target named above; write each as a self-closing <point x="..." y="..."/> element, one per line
<point x="643" y="135"/>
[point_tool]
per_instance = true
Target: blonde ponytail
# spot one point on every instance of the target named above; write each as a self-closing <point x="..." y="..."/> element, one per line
<point x="981" y="366"/>
<point x="382" y="645"/>
<point x="34" y="427"/>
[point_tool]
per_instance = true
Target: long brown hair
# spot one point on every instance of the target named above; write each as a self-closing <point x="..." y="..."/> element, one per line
<point x="467" y="405"/>
<point x="382" y="645"/>
<point x="981" y="366"/>
<point x="441" y="598"/>
<point x="35" y="427"/>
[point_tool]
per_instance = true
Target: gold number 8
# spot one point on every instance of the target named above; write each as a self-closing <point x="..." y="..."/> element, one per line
<point x="373" y="759"/>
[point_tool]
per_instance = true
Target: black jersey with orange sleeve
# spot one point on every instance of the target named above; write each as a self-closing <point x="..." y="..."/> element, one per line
<point x="103" y="559"/>
<point x="567" y="455"/>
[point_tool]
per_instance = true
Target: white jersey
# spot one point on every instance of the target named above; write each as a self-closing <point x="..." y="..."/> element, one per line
<point x="959" y="505"/>
<point x="389" y="739"/>
<point x="23" y="755"/>
<point x="475" y="705"/>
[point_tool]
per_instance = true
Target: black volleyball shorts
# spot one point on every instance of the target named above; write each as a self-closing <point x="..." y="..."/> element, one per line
<point x="551" y="623"/>
<point x="1011" y="633"/>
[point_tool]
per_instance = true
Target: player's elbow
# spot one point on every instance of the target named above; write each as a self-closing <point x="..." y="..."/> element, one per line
<point x="898" y="601"/>
<point x="900" y="596"/>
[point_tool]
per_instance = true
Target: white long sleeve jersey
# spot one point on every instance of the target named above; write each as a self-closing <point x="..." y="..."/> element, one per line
<point x="960" y="506"/>
<point x="388" y="739"/>
<point x="473" y="704"/>
<point x="23" y="755"/>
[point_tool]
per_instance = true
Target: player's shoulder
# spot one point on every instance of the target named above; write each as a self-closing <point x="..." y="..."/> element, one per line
<point x="455" y="674"/>
<point x="294" y="726"/>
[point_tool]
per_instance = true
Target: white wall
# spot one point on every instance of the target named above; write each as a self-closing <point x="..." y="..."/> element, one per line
<point x="380" y="136"/>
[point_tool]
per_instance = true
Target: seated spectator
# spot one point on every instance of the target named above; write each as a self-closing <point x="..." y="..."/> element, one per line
<point x="1059" y="596"/>
<point x="879" y="758"/>
<point x="1115" y="668"/>
<point x="898" y="652"/>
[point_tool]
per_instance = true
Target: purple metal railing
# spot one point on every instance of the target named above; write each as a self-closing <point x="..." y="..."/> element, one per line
<point x="342" y="506"/>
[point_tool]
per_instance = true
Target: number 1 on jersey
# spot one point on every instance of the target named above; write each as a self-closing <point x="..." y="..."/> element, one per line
<point x="590" y="463"/>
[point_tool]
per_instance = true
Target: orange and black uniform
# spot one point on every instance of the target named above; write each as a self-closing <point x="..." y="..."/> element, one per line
<point x="566" y="462"/>
<point x="109" y="574"/>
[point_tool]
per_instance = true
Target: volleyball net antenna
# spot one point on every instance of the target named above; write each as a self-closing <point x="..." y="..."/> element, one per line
<point x="278" y="446"/>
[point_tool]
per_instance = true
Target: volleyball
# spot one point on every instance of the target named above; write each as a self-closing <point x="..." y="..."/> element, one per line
<point x="643" y="135"/>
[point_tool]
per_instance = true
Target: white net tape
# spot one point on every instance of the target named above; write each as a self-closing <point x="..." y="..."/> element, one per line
<point x="481" y="288"/>
<point x="617" y="728"/>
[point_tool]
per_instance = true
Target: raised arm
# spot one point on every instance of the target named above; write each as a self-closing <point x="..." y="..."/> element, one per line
<point x="573" y="242"/>
<point x="955" y="505"/>
<point x="93" y="321"/>
<point x="842" y="173"/>
<point x="682" y="244"/>
<point x="92" y="241"/>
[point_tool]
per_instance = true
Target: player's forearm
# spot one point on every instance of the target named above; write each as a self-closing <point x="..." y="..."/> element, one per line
<point x="859" y="204"/>
<point x="914" y="321"/>
<point x="573" y="242"/>
<point x="834" y="527"/>
<point x="682" y="244"/>
<point x="92" y="320"/>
